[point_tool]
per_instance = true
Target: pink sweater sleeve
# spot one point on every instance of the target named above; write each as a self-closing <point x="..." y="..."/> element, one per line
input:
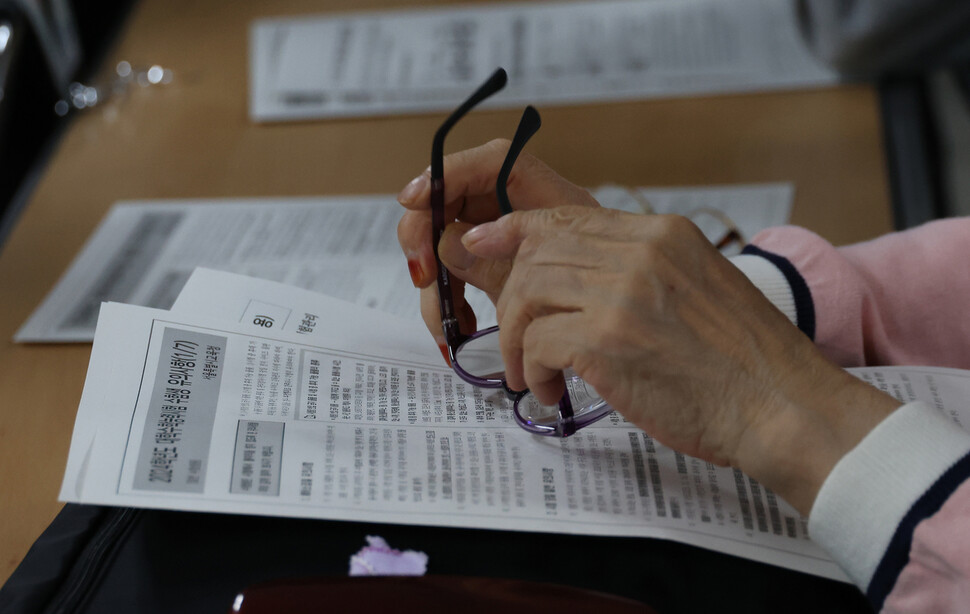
<point x="900" y="299"/>
<point x="937" y="577"/>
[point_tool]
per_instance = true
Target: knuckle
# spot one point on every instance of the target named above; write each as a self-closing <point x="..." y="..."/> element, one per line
<point x="597" y="371"/>
<point x="531" y="340"/>
<point x="510" y="340"/>
<point x="521" y="172"/>
<point x="584" y="219"/>
<point x="406" y="229"/>
<point x="614" y="327"/>
<point x="568" y="218"/>
<point x="667" y="223"/>
<point x="531" y="279"/>
<point x="646" y="254"/>
<point x="528" y="248"/>
<point x="588" y="200"/>
<point x="676" y="226"/>
<point x="509" y="307"/>
<point x="493" y="275"/>
<point x="501" y="307"/>
<point x="563" y="219"/>
<point x="499" y="145"/>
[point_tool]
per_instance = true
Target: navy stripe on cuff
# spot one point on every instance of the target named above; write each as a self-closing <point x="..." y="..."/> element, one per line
<point x="897" y="554"/>
<point x="804" y="307"/>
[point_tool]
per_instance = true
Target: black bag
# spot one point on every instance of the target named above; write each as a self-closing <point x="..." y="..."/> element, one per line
<point x="100" y="559"/>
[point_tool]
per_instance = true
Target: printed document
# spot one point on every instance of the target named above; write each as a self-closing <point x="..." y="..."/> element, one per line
<point x="142" y="252"/>
<point x="429" y="60"/>
<point x="337" y="412"/>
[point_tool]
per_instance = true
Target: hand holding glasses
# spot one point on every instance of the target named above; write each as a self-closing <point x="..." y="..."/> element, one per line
<point x="477" y="358"/>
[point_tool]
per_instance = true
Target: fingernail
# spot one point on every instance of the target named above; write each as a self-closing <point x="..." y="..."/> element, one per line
<point x="477" y="233"/>
<point x="412" y="190"/>
<point x="417" y="273"/>
<point x="444" y="352"/>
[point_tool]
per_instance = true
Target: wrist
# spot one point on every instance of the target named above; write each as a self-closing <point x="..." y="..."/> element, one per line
<point x="815" y="419"/>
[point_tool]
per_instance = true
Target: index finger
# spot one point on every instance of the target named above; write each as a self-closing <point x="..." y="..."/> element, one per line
<point x="501" y="239"/>
<point x="470" y="176"/>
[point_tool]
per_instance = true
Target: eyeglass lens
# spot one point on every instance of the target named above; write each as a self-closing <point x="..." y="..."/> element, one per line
<point x="481" y="357"/>
<point x="588" y="406"/>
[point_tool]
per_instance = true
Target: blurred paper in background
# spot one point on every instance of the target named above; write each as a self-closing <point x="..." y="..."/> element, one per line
<point x="555" y="53"/>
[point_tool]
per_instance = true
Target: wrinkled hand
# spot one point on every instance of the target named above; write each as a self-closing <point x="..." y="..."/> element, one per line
<point x="675" y="338"/>
<point x="470" y="199"/>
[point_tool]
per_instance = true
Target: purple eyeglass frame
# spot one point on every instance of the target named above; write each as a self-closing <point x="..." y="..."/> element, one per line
<point x="567" y="424"/>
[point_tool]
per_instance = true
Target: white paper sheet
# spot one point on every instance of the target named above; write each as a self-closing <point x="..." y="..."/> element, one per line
<point x="751" y="208"/>
<point x="142" y="252"/>
<point x="556" y="53"/>
<point x="284" y="427"/>
<point x="358" y="418"/>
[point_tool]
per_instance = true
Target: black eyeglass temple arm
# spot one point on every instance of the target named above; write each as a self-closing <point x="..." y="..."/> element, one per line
<point x="528" y="126"/>
<point x="449" y="322"/>
<point x="496" y="82"/>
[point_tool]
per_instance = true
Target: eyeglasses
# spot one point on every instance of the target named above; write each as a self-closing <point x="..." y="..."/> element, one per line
<point x="716" y="225"/>
<point x="719" y="228"/>
<point x="477" y="358"/>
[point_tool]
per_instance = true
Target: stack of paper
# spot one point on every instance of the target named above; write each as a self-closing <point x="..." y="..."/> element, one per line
<point x="255" y="396"/>
<point x="345" y="247"/>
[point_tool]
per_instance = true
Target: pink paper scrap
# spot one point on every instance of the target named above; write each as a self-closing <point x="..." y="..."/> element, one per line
<point x="377" y="558"/>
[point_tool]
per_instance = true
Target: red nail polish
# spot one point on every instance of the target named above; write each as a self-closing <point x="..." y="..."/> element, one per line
<point x="444" y="352"/>
<point x="417" y="273"/>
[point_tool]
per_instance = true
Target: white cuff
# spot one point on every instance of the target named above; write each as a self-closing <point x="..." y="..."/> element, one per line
<point x="872" y="488"/>
<point x="770" y="280"/>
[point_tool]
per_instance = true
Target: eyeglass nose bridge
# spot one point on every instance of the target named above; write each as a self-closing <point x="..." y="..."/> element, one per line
<point x="565" y="424"/>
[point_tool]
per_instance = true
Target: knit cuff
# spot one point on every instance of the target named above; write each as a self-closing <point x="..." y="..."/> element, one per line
<point x="781" y="283"/>
<point x="867" y="508"/>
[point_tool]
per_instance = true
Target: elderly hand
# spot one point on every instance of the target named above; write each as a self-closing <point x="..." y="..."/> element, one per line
<point x="675" y="338"/>
<point x="470" y="199"/>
